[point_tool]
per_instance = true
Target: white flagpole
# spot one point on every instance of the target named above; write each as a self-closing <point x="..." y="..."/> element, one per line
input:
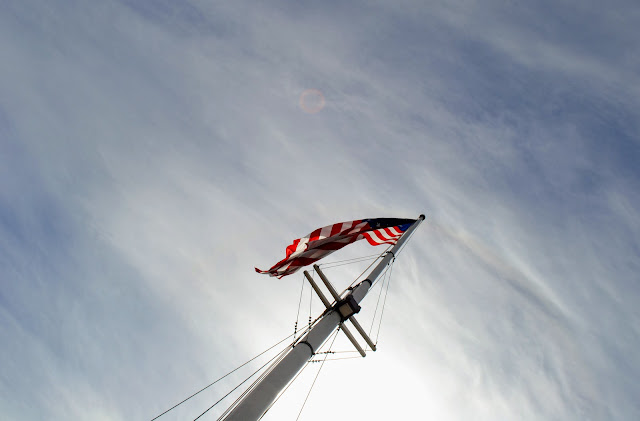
<point x="257" y="401"/>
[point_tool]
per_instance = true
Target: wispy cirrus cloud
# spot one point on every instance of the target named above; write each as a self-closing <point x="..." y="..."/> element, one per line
<point x="153" y="153"/>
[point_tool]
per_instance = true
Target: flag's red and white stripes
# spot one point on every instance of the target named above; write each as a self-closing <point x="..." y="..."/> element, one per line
<point x="324" y="241"/>
<point x="383" y="236"/>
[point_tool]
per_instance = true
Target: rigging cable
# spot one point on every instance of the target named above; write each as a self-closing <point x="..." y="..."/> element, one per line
<point x="284" y="390"/>
<point x="375" y="312"/>
<point x="310" y="301"/>
<point x="369" y="267"/>
<point x="318" y="373"/>
<point x="295" y="326"/>
<point x="347" y="261"/>
<point x="216" y="381"/>
<point x="385" y="299"/>
<point x="390" y="268"/>
<point x="357" y="357"/>
<point x="277" y="356"/>
<point x="382" y="255"/>
<point x="294" y="379"/>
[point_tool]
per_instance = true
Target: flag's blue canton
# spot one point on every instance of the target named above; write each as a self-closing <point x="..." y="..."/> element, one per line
<point x="404" y="227"/>
<point x="377" y="223"/>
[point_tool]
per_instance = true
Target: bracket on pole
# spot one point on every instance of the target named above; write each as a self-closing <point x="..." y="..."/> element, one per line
<point x="346" y="307"/>
<point x="353" y="320"/>
<point x="328" y="305"/>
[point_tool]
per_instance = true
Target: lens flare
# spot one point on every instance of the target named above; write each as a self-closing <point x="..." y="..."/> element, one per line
<point x="312" y="101"/>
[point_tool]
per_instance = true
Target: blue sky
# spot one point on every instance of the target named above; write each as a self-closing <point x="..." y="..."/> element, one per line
<point x="152" y="153"/>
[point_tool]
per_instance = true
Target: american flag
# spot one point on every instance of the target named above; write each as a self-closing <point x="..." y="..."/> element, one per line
<point x="324" y="241"/>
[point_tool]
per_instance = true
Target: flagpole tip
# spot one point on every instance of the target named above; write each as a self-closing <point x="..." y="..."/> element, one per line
<point x="421" y="216"/>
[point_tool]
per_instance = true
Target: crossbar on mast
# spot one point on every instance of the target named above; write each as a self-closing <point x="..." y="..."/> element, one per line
<point x="352" y="319"/>
<point x="328" y="306"/>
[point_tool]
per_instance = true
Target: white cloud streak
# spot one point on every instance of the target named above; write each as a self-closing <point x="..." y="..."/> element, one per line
<point x="151" y="153"/>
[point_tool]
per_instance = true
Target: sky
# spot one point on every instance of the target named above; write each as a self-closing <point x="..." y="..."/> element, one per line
<point x="153" y="152"/>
